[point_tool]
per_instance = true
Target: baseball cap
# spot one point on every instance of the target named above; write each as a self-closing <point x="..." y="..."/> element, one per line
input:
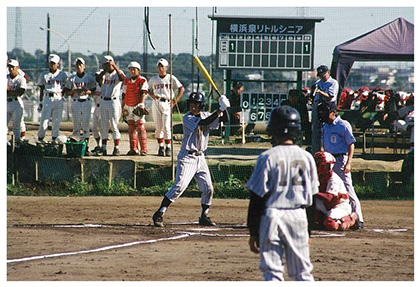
<point x="79" y="60"/>
<point x="238" y="84"/>
<point x="106" y="59"/>
<point x="54" y="58"/>
<point x="321" y="70"/>
<point x="12" y="63"/>
<point x="163" y="62"/>
<point x="134" y="65"/>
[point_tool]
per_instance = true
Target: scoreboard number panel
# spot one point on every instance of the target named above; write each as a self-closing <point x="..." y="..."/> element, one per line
<point x="265" y="43"/>
<point x="258" y="106"/>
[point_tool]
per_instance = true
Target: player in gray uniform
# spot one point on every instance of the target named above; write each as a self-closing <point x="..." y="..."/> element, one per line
<point x="282" y="185"/>
<point x="51" y="85"/>
<point x="191" y="161"/>
<point x="16" y="87"/>
<point x="79" y="86"/>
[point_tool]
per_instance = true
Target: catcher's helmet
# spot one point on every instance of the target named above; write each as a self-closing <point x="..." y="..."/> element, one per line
<point x="284" y="120"/>
<point x="197" y="97"/>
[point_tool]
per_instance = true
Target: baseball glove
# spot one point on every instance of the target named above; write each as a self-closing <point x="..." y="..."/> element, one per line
<point x="140" y="111"/>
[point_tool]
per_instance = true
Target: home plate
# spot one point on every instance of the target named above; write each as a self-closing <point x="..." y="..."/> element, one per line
<point x="204" y="229"/>
<point x="391" y="230"/>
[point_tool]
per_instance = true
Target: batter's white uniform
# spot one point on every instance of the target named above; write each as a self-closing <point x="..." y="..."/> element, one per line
<point x="81" y="105"/>
<point x="161" y="108"/>
<point x="15" y="104"/>
<point x="191" y="160"/>
<point x="287" y="175"/>
<point x="52" y="103"/>
<point x="111" y="104"/>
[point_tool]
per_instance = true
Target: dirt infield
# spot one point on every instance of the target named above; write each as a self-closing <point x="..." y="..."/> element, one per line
<point x="112" y="239"/>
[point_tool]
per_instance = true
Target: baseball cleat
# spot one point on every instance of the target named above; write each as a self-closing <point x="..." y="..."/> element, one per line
<point x="158" y="219"/>
<point x="168" y="151"/>
<point x="160" y="152"/>
<point x="116" y="152"/>
<point x="206" y="221"/>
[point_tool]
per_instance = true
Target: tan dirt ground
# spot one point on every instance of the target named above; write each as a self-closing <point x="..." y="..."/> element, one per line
<point x="382" y="251"/>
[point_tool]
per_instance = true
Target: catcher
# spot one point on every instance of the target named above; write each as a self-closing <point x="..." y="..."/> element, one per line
<point x="332" y="205"/>
<point x="133" y="109"/>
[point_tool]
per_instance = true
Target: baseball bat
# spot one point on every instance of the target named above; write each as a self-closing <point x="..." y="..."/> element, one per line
<point x="203" y="71"/>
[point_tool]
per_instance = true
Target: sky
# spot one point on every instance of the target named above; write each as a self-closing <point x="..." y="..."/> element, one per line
<point x="86" y="28"/>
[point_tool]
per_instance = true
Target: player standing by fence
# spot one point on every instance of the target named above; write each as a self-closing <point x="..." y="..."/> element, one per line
<point x="110" y="80"/>
<point x="160" y="87"/>
<point x="51" y="85"/>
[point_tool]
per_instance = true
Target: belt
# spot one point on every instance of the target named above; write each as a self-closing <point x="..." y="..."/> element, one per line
<point x="80" y="100"/>
<point x="339" y="154"/>
<point x="163" y="100"/>
<point x="12" y="99"/>
<point x="195" y="152"/>
<point x="109" y="99"/>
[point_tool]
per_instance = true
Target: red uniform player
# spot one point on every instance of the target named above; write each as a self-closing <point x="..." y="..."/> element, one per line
<point x="134" y="94"/>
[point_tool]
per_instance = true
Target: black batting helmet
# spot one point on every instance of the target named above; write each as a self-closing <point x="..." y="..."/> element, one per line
<point x="284" y="120"/>
<point x="197" y="97"/>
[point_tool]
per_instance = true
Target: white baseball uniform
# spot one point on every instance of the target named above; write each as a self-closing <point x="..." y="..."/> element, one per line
<point x="335" y="186"/>
<point x="191" y="160"/>
<point x="287" y="176"/>
<point x="52" y="103"/>
<point x="15" y="104"/>
<point x="96" y="115"/>
<point x="111" y="104"/>
<point x="161" y="108"/>
<point x="81" y="105"/>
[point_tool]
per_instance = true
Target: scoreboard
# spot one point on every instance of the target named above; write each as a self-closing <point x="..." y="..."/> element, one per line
<point x="257" y="107"/>
<point x="265" y="43"/>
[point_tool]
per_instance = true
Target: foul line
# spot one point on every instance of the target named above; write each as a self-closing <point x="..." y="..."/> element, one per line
<point x="97" y="249"/>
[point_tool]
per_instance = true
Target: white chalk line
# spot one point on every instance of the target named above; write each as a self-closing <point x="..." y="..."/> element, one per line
<point x="97" y="249"/>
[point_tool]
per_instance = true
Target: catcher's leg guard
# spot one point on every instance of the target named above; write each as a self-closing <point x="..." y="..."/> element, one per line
<point x="142" y="136"/>
<point x="132" y="134"/>
<point x="331" y="224"/>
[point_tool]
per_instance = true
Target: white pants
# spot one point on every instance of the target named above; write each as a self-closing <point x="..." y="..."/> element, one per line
<point x="285" y="231"/>
<point x="110" y="116"/>
<point x="192" y="166"/>
<point x="81" y="117"/>
<point x="52" y="108"/>
<point x="161" y="112"/>
<point x="348" y="183"/>
<point x="15" y="113"/>
<point x="96" y="121"/>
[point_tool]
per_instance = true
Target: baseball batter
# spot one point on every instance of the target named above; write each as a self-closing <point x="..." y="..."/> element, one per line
<point x="163" y="101"/>
<point x="16" y="87"/>
<point x="80" y="86"/>
<point x="110" y="80"/>
<point x="191" y="161"/>
<point x="282" y="186"/>
<point x="332" y="205"/>
<point x="134" y="94"/>
<point x="51" y="84"/>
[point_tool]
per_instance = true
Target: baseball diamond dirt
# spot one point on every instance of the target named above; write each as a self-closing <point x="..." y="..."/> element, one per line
<point x="113" y="239"/>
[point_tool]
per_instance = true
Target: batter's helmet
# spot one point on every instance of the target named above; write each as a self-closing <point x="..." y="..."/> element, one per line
<point x="197" y="97"/>
<point x="284" y="120"/>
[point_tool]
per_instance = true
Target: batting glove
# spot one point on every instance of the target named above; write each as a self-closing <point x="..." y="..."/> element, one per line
<point x="224" y="103"/>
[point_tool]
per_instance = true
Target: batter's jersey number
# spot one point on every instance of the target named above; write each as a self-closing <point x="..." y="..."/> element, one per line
<point x="257" y="106"/>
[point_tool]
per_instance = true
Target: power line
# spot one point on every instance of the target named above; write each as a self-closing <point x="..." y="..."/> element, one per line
<point x="80" y="25"/>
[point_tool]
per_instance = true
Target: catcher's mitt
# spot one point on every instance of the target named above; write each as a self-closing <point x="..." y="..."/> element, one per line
<point x="140" y="111"/>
